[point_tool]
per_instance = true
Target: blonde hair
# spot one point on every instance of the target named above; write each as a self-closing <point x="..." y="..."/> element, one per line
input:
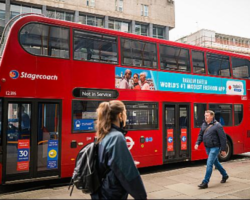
<point x="107" y="113"/>
<point x="210" y="112"/>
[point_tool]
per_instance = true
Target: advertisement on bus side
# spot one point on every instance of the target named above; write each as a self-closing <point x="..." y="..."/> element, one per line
<point x="23" y="155"/>
<point x="140" y="79"/>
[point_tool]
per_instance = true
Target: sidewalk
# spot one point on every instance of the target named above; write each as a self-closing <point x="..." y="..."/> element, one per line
<point x="172" y="184"/>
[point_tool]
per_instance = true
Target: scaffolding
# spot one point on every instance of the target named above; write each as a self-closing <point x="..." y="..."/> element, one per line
<point x="227" y="44"/>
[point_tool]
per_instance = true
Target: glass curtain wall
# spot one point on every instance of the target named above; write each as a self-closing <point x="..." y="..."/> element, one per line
<point x="20" y="9"/>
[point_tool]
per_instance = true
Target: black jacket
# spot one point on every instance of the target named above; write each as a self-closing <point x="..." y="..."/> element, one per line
<point x="124" y="177"/>
<point x="213" y="137"/>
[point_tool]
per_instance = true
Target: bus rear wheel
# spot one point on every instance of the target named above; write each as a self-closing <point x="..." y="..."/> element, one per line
<point x="229" y="151"/>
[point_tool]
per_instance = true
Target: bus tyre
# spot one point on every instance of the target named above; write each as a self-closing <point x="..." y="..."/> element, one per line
<point x="228" y="153"/>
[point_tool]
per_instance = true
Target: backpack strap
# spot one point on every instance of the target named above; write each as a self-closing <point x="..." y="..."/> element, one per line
<point x="71" y="184"/>
<point x="210" y="127"/>
<point x="207" y="128"/>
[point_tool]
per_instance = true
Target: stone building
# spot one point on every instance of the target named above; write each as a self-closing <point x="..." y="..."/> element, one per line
<point x="211" y="39"/>
<point x="153" y="18"/>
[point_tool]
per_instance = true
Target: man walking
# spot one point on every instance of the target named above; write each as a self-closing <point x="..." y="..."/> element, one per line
<point x="214" y="138"/>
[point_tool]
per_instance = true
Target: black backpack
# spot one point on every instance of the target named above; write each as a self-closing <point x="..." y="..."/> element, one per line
<point x="85" y="176"/>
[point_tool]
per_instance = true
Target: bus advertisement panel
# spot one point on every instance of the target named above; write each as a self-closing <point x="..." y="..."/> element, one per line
<point x="129" y="78"/>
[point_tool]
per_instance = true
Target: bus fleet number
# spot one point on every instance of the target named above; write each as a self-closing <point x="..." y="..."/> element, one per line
<point x="11" y="93"/>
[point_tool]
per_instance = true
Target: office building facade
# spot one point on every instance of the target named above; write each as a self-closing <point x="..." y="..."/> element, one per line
<point x="153" y="18"/>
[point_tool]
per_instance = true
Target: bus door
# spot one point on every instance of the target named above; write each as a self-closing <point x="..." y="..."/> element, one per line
<point x="176" y="132"/>
<point x="31" y="139"/>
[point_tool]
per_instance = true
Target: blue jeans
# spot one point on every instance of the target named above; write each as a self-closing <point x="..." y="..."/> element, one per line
<point x="213" y="160"/>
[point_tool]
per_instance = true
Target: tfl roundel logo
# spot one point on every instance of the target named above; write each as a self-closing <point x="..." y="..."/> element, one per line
<point x="14" y="74"/>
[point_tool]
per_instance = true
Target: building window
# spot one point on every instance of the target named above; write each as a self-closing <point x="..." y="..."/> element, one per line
<point x="144" y="10"/>
<point x="26" y="9"/>
<point x="20" y="9"/>
<point x="2" y="11"/>
<point x="90" y="3"/>
<point x="36" y="10"/>
<point x="15" y="10"/>
<point x="141" y="29"/>
<point x="60" y="15"/>
<point x="218" y="65"/>
<point x="69" y="17"/>
<point x="119" y="26"/>
<point x="158" y="32"/>
<point x="119" y="5"/>
<point x="91" y="20"/>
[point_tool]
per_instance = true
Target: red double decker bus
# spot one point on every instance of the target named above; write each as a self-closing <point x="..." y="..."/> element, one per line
<point x="54" y="74"/>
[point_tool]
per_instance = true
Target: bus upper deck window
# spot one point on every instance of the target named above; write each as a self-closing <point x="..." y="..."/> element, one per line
<point x="94" y="47"/>
<point x="45" y="40"/>
<point x="218" y="65"/>
<point x="138" y="53"/>
<point x="198" y="62"/>
<point x="241" y="68"/>
<point x="174" y="58"/>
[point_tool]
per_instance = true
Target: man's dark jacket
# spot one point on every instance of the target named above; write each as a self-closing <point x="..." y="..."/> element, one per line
<point x="213" y="137"/>
<point x="123" y="177"/>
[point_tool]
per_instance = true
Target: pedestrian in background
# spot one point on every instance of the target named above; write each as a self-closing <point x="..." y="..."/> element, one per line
<point x="214" y="139"/>
<point x="123" y="177"/>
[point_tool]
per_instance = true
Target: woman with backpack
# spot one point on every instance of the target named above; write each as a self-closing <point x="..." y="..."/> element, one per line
<point x="121" y="176"/>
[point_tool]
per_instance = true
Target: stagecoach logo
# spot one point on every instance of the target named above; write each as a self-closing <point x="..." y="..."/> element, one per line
<point x="235" y="87"/>
<point x="14" y="74"/>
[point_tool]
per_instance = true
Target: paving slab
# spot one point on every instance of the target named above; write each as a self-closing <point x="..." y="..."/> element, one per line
<point x="208" y="195"/>
<point x="186" y="189"/>
<point x="152" y="187"/>
<point x="243" y="194"/>
<point x="163" y="181"/>
<point x="163" y="194"/>
<point x="184" y="179"/>
<point x="227" y="197"/>
<point x="182" y="196"/>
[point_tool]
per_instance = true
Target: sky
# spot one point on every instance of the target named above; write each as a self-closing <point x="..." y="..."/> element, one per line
<point x="231" y="17"/>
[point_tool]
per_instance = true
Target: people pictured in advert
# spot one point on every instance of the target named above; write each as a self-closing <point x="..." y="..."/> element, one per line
<point x="125" y="83"/>
<point x="214" y="139"/>
<point x="143" y="83"/>
<point x="121" y="176"/>
<point x="136" y="82"/>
